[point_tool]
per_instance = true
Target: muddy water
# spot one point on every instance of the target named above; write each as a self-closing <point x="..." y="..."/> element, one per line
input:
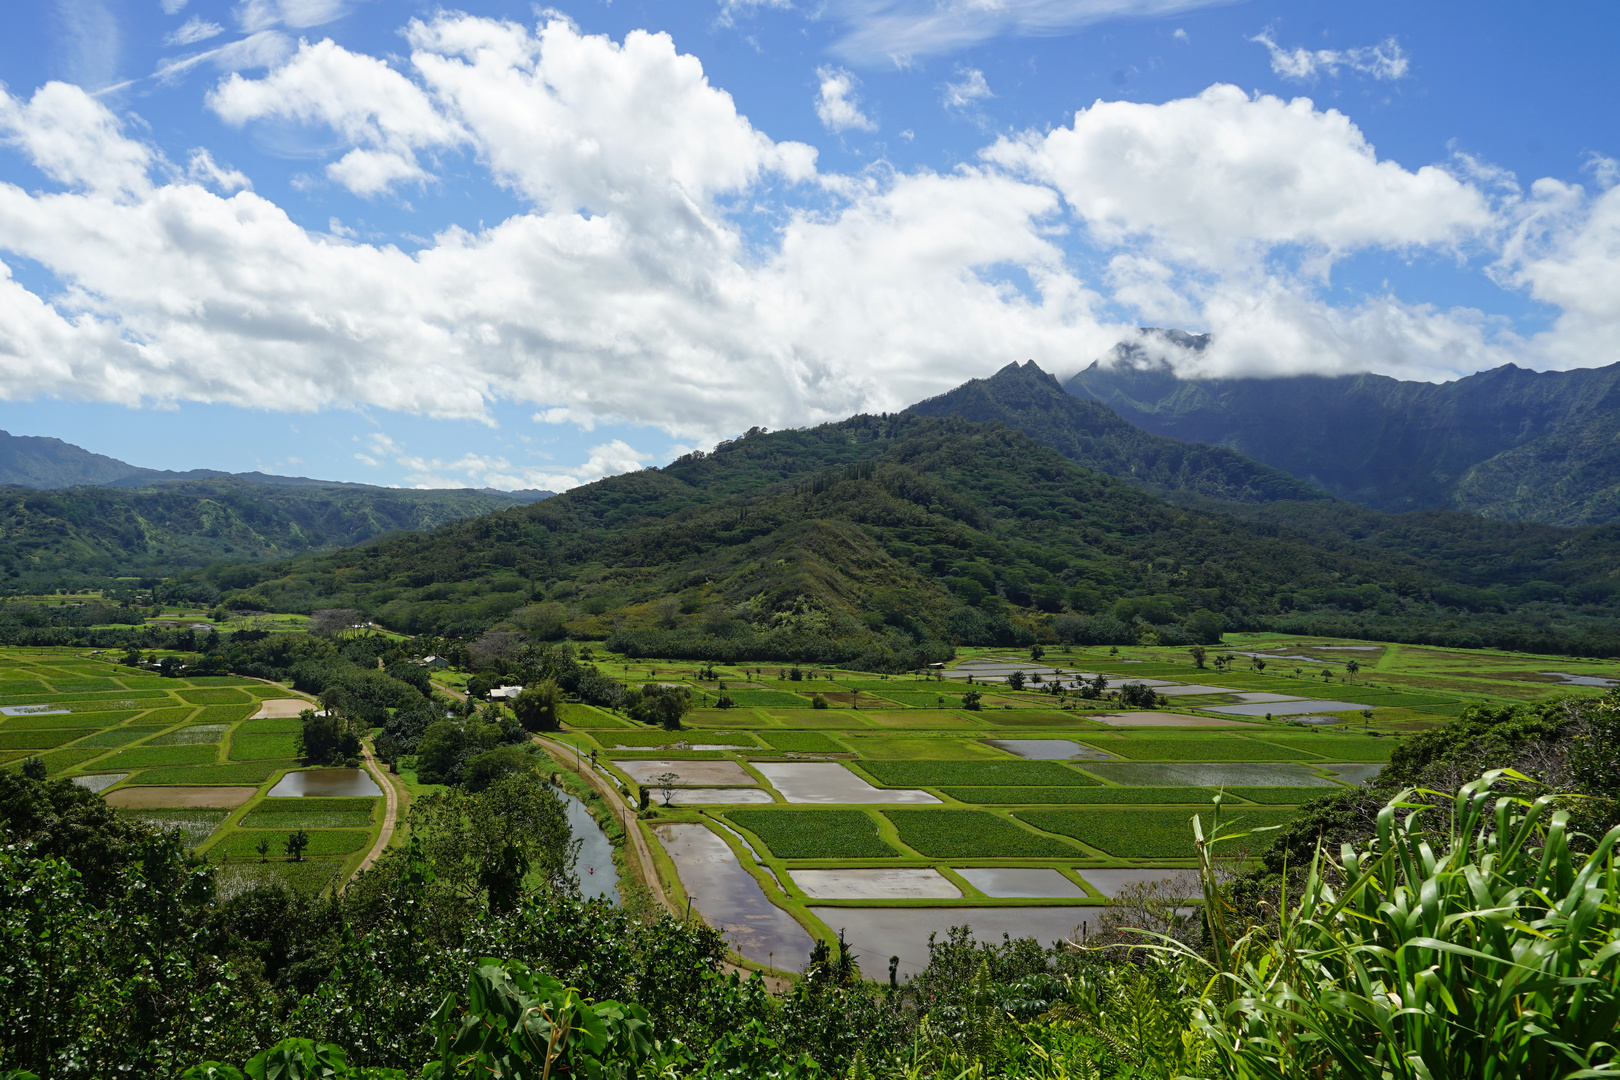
<point x="1207" y="774"/>
<point x="597" y="876"/>
<point x="830" y="782"/>
<point x="326" y="782"/>
<point x="1047" y="749"/>
<point x="729" y="898"/>
<point x="1019" y="881"/>
<point x="875" y="934"/>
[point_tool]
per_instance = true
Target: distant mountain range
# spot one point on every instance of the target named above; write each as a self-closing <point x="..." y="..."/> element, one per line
<point x="1510" y="444"/>
<point x="71" y="517"/>
<point x="41" y="462"/>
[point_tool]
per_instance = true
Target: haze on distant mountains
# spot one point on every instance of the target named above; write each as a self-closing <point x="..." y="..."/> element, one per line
<point x="487" y="247"/>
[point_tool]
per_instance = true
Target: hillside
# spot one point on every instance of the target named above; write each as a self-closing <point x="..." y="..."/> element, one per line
<point x="1508" y="443"/>
<point x="886" y="539"/>
<point x="1094" y="435"/>
<point x="82" y="536"/>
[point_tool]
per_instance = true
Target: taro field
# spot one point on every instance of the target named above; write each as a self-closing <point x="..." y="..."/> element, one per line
<point x="198" y="755"/>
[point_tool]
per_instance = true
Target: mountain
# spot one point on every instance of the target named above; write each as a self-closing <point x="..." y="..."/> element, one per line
<point x="86" y="535"/>
<point x="884" y="539"/>
<point x="1508" y="443"/>
<point x="44" y="463"/>
<point x="1088" y="432"/>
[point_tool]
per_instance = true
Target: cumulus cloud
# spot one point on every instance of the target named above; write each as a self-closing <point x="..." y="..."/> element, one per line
<point x="482" y="470"/>
<point x="969" y="88"/>
<point x="837" y="106"/>
<point x="624" y="290"/>
<point x="1222" y="178"/>
<point x="1386" y="60"/>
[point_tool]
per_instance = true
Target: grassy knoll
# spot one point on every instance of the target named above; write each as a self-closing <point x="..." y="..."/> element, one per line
<point x="815" y="834"/>
<point x="972" y="834"/>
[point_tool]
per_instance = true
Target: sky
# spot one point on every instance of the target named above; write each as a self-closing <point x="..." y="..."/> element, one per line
<point x="519" y="246"/>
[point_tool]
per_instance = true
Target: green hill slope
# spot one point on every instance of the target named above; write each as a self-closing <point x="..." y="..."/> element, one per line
<point x="1510" y="443"/>
<point x="82" y="536"/>
<point x="888" y="538"/>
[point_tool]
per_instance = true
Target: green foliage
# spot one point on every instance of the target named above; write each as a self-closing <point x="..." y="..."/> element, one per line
<point x="146" y="757"/>
<point x="538" y="707"/>
<point x="213" y="697"/>
<point x="243" y="843"/>
<point x="320" y="739"/>
<point x="1468" y="943"/>
<point x="224" y="714"/>
<point x="119" y="736"/>
<point x="254" y="747"/>
<point x="986" y="773"/>
<point x="661" y="705"/>
<point x="815" y="834"/>
<point x="972" y="834"/>
<point x="483" y="845"/>
<point x="767" y="699"/>
<point x="250" y="772"/>
<point x="1338" y="748"/>
<point x="809" y="742"/>
<point x="40" y="739"/>
<point x="1037" y="796"/>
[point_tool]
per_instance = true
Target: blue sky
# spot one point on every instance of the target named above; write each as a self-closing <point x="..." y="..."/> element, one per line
<point x="518" y="246"/>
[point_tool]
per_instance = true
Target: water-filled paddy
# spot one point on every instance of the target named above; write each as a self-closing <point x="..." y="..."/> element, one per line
<point x="875" y="934"/>
<point x="1048" y="749"/>
<point x="326" y="782"/>
<point x="1207" y="774"/>
<point x="730" y="899"/>
<point x="1287" y="708"/>
<point x="1020" y="882"/>
<point x="717" y="797"/>
<point x="1111" y="882"/>
<point x="1161" y="719"/>
<point x="897" y="883"/>
<point x="1355" y="772"/>
<point x="830" y="782"/>
<point x="1566" y="678"/>
<point x="688" y="773"/>
<point x="99" y="781"/>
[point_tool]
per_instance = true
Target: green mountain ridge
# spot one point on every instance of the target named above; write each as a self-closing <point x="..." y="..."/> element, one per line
<point x="891" y="538"/>
<point x="1030" y="400"/>
<point x="83" y="536"/>
<point x="1508" y="443"/>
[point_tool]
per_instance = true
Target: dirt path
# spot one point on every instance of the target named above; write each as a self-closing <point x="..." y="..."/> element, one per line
<point x="390" y="812"/>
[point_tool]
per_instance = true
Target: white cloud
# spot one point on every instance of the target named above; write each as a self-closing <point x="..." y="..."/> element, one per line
<point x="171" y="7"/>
<point x="624" y="289"/>
<point x="896" y="31"/>
<point x="1386" y="60"/>
<point x="262" y="49"/>
<point x="257" y="15"/>
<point x="1222" y="178"/>
<point x="192" y="31"/>
<point x="969" y="89"/>
<point x="837" y="105"/>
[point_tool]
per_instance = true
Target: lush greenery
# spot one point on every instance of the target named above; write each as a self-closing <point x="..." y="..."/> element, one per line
<point x="815" y="834"/>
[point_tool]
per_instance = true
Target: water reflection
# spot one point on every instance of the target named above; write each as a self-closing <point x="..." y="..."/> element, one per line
<point x="326" y="782"/>
<point x="597" y="876"/>
<point x="731" y="900"/>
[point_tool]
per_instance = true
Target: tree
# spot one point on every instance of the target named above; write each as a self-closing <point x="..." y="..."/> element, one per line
<point x="334" y="621"/>
<point x="666" y="785"/>
<point x="483" y="844"/>
<point x="818" y="701"/>
<point x="263" y="848"/>
<point x="1015" y="681"/>
<point x="725" y="701"/>
<point x="1258" y="663"/>
<point x="1036" y="652"/>
<point x="1197" y="653"/>
<point x="662" y="705"/>
<point x="34" y="768"/>
<point x="970" y="700"/>
<point x="539" y="707"/>
<point x="326" y="738"/>
<point x="1352" y="666"/>
<point x="296" y="843"/>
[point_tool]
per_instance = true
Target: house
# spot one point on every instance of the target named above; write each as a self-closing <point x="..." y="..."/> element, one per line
<point x="433" y="663"/>
<point x="504" y="693"/>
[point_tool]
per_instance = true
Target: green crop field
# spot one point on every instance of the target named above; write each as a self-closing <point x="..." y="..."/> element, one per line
<point x="942" y="749"/>
<point x="1042" y="796"/>
<point x="41" y="738"/>
<point x="253" y="747"/>
<point x="1283" y="796"/>
<point x="166" y="717"/>
<point x="1146" y="834"/>
<point x="988" y="773"/>
<point x="763" y="699"/>
<point x="815" y="834"/>
<point x="119" y="736"/>
<point x="1339" y="748"/>
<point x="279" y="725"/>
<point x="225" y="714"/>
<point x="1010" y="718"/>
<point x="243" y="843"/>
<point x="808" y="742"/>
<point x="1187" y="749"/>
<point x="214" y="697"/>
<point x="146" y="757"/>
<point x="311" y="814"/>
<point x="972" y="834"/>
<point x="194" y="733"/>
<point x="308" y="877"/>
<point x="251" y="772"/>
<point x="669" y="738"/>
<point x="584" y="716"/>
<point x="194" y="825"/>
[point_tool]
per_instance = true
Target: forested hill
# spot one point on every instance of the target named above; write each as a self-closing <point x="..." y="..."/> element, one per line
<point x="1508" y="443"/>
<point x="884" y="539"/>
<point x="83" y="536"/>
<point x="1089" y="432"/>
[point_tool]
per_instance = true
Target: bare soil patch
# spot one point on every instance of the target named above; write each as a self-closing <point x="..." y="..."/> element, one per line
<point x="280" y="708"/>
<point x="149" y="798"/>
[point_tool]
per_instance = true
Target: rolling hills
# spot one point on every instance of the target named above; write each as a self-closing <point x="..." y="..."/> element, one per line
<point x="885" y="539"/>
<point x="1508" y="443"/>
